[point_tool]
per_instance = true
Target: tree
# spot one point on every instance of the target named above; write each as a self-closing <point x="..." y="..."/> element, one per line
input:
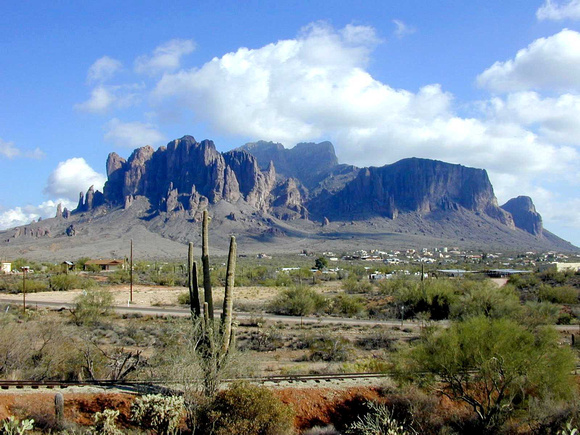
<point x="493" y="365"/>
<point x="321" y="263"/>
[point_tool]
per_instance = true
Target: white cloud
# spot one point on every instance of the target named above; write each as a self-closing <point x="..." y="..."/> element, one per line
<point x="103" y="69"/>
<point x="166" y="57"/>
<point x="315" y="87"/>
<point x="10" y="151"/>
<point x="7" y="149"/>
<point x="556" y="10"/>
<point x="551" y="63"/>
<point x="71" y="177"/>
<point x="555" y="119"/>
<point x="25" y="215"/>
<point x="403" y="29"/>
<point x="132" y="134"/>
<point x="104" y="98"/>
<point x="101" y="100"/>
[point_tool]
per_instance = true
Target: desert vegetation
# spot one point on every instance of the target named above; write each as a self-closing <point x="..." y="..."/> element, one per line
<point x="464" y="355"/>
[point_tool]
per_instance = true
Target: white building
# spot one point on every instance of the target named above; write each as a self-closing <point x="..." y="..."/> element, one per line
<point x="6" y="267"/>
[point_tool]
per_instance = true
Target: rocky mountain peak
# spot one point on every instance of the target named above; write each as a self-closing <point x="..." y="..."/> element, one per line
<point x="525" y="215"/>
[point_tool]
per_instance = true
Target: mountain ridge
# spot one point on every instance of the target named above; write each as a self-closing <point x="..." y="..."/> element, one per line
<point x="277" y="198"/>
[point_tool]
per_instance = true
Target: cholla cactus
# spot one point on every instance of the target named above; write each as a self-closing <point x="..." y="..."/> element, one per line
<point x="13" y="426"/>
<point x="105" y="423"/>
<point x="378" y="421"/>
<point x="158" y="412"/>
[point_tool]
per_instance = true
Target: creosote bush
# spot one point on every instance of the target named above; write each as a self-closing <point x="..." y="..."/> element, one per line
<point x="64" y="282"/>
<point x="91" y="306"/>
<point x="245" y="409"/>
<point x="298" y="301"/>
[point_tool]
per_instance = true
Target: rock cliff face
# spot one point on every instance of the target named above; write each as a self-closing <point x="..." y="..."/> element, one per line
<point x="263" y="181"/>
<point x="308" y="162"/>
<point x="187" y="175"/>
<point x="413" y="185"/>
<point x="525" y="215"/>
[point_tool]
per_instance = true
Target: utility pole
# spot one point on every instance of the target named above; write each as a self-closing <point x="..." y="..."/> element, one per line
<point x="131" y="273"/>
<point x="24" y="270"/>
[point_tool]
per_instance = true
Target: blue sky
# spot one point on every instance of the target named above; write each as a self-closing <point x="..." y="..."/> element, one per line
<point x="489" y="84"/>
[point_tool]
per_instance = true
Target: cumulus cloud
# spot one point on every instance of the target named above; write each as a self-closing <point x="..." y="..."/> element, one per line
<point x="10" y="151"/>
<point x="25" y="215"/>
<point x="556" y="10"/>
<point x="551" y="63"/>
<point x="132" y="134"/>
<point x="402" y="29"/>
<point x="166" y="57"/>
<point x="103" y="69"/>
<point x="104" y="98"/>
<point x="316" y="87"/>
<point x="71" y="177"/>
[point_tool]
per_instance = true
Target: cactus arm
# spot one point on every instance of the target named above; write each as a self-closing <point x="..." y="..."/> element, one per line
<point x="193" y="284"/>
<point x="228" y="297"/>
<point x="208" y="297"/>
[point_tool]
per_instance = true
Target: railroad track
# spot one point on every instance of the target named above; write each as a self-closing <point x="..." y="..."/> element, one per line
<point x="289" y="379"/>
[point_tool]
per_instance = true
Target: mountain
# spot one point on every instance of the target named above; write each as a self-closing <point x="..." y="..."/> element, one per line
<point x="281" y="200"/>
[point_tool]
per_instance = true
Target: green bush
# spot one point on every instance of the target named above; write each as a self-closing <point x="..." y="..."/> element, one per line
<point x="119" y="276"/>
<point x="245" y="409"/>
<point x="486" y="299"/>
<point x="298" y="301"/>
<point x="558" y="295"/>
<point x="348" y="305"/>
<point x="159" y="413"/>
<point x="354" y="285"/>
<point x="64" y="282"/>
<point x="329" y="349"/>
<point x="13" y="426"/>
<point x="91" y="306"/>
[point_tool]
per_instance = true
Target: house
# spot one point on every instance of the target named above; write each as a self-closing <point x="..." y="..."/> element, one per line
<point x="6" y="267"/>
<point x="106" y="264"/>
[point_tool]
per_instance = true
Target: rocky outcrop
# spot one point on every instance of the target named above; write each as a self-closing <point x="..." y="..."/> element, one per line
<point x="289" y="203"/>
<point x="413" y="185"/>
<point x="308" y="162"/>
<point x="525" y="215"/>
<point x="185" y="177"/>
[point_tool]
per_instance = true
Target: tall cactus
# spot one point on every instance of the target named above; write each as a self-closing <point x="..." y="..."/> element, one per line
<point x="59" y="410"/>
<point x="214" y="344"/>
<point x="193" y="284"/>
<point x="205" y="261"/>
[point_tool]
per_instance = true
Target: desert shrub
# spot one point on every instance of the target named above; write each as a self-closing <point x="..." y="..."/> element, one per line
<point x="157" y="412"/>
<point x="165" y="279"/>
<point x="64" y="282"/>
<point x="348" y="305"/>
<point x="379" y="340"/>
<point x="13" y="426"/>
<point x="485" y="299"/>
<point x="377" y="420"/>
<point x="368" y="365"/>
<point x="298" y="301"/>
<point x="265" y="339"/>
<point x="354" y="285"/>
<point x="535" y="314"/>
<point x="91" y="306"/>
<point x="500" y="356"/>
<point x="558" y="295"/>
<point x="119" y="276"/>
<point x="105" y="423"/>
<point x="245" y="409"/>
<point x="329" y="349"/>
<point x="433" y="296"/>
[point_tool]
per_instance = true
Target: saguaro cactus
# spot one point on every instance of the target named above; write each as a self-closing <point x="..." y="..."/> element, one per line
<point x="59" y="410"/>
<point x="214" y="344"/>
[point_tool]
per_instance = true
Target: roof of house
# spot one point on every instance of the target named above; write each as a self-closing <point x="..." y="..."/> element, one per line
<point x="105" y="262"/>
